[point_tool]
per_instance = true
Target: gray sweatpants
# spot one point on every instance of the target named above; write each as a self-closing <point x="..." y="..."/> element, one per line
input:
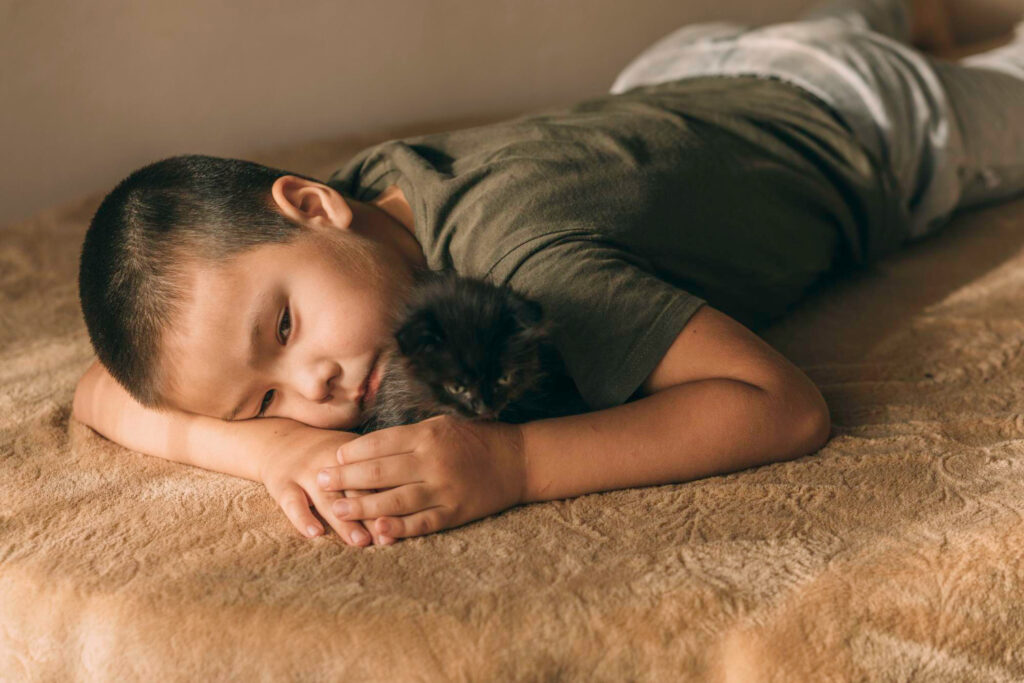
<point x="950" y="133"/>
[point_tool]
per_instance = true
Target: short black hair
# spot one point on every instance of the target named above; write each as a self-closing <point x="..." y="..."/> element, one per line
<point x="146" y="230"/>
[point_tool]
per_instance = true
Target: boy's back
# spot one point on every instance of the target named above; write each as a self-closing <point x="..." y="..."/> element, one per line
<point x="622" y="214"/>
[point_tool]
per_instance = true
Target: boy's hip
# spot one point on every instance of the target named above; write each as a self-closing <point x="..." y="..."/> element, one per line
<point x="886" y="93"/>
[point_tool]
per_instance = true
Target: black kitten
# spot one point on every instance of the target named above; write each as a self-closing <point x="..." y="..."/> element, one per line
<point x="467" y="348"/>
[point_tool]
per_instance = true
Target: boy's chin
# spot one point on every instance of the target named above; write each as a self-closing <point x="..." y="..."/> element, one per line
<point x="346" y="423"/>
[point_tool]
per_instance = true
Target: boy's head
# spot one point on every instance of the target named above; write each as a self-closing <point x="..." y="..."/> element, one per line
<point x="208" y="284"/>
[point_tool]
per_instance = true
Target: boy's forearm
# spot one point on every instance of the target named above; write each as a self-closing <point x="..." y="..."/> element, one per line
<point x="684" y="432"/>
<point x="234" y="448"/>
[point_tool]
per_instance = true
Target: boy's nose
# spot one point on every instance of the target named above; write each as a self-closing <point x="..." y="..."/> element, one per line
<point x="318" y="383"/>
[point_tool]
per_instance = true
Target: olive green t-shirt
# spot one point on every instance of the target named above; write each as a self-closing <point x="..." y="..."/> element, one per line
<point x="623" y="214"/>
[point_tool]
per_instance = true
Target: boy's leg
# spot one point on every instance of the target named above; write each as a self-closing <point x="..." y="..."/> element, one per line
<point x="886" y="92"/>
<point x="949" y="134"/>
<point x="986" y="92"/>
<point x="677" y="55"/>
<point x="694" y="49"/>
<point x="975" y="137"/>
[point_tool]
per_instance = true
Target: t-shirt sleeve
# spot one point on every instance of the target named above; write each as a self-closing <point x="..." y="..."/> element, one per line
<point x="613" y="319"/>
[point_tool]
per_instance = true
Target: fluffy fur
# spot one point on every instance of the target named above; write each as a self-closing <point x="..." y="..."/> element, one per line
<point x="467" y="348"/>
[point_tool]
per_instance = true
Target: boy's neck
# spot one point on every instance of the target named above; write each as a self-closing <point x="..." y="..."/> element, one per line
<point x="393" y="202"/>
<point x="394" y="221"/>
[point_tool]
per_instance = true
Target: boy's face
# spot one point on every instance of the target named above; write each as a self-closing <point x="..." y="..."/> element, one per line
<point x="321" y="325"/>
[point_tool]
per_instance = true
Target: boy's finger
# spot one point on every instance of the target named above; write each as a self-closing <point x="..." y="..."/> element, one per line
<point x="366" y="524"/>
<point x="355" y="532"/>
<point x="295" y="505"/>
<point x="345" y="529"/>
<point x="398" y="439"/>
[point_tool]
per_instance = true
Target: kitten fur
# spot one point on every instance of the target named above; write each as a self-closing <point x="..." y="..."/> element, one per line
<point x="471" y="349"/>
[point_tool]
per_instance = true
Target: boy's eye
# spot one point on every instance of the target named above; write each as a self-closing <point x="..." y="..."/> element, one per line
<point x="265" y="403"/>
<point x="286" y="321"/>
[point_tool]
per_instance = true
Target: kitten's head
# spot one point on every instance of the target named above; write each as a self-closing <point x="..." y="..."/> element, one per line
<point x="476" y="345"/>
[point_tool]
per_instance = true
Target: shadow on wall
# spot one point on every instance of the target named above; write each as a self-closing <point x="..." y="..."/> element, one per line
<point x="95" y="90"/>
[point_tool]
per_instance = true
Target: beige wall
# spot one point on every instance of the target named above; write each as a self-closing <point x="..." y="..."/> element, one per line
<point x="92" y="89"/>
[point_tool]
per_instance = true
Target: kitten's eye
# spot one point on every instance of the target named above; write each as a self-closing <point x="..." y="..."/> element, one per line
<point x="453" y="387"/>
<point x="506" y="378"/>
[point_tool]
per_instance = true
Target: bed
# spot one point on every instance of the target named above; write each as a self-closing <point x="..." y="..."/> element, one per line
<point x="896" y="552"/>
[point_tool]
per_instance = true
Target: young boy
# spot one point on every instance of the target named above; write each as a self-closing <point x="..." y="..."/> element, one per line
<point x="238" y="312"/>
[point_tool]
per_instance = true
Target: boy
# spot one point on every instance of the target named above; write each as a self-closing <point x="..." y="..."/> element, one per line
<point x="242" y="309"/>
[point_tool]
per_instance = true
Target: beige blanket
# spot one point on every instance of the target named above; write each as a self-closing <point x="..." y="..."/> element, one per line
<point x="894" y="553"/>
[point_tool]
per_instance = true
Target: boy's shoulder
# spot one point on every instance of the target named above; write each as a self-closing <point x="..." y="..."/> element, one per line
<point x="612" y="318"/>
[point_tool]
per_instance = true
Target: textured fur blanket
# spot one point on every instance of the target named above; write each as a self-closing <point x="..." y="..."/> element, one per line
<point x="894" y="553"/>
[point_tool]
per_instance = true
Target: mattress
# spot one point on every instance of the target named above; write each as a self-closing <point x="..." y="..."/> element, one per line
<point x="895" y="552"/>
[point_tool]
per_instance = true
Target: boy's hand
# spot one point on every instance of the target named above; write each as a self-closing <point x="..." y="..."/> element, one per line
<point x="289" y="472"/>
<point x="440" y="473"/>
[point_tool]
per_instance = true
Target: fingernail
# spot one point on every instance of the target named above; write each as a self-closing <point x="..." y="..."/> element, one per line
<point x="341" y="508"/>
<point x="323" y="478"/>
<point x="312" y="530"/>
<point x="358" y="537"/>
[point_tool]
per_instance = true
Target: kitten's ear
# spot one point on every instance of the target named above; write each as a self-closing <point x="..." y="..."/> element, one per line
<point x="529" y="316"/>
<point x="527" y="312"/>
<point x="420" y="332"/>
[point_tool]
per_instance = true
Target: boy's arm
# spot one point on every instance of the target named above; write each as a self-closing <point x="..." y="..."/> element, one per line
<point x="283" y="455"/>
<point x="234" y="448"/>
<point x="721" y="400"/>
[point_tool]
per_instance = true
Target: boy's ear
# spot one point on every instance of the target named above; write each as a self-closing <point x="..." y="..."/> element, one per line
<point x="310" y="203"/>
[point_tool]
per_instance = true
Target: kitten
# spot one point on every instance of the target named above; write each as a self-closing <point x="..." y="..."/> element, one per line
<point x="467" y="348"/>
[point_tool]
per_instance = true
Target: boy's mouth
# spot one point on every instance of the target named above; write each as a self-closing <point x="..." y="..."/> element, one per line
<point x="370" y="384"/>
